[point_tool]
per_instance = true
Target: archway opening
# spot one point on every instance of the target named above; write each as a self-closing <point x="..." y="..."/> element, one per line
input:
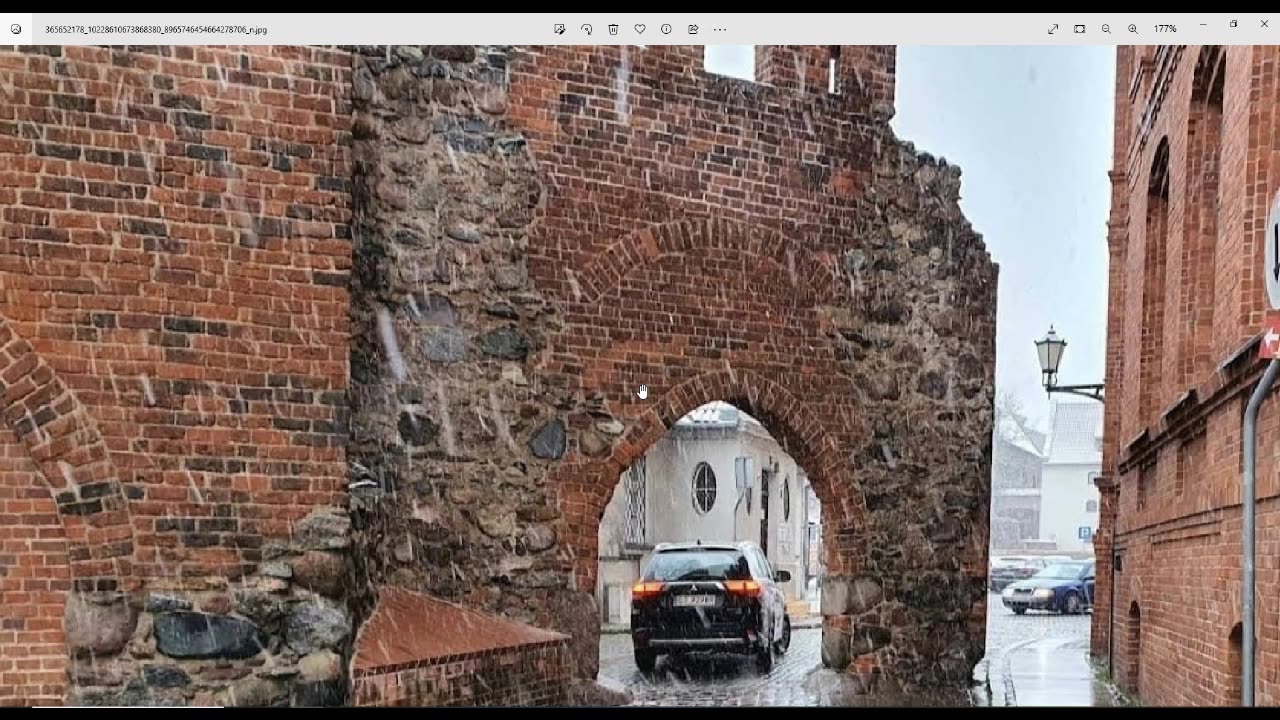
<point x="712" y="506"/>
<point x="1235" y="669"/>
<point x="1133" y="650"/>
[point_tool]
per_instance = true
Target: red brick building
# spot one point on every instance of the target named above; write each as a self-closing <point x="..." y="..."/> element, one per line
<point x="1193" y="176"/>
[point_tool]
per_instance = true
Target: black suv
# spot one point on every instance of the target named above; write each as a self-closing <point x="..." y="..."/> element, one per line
<point x="721" y="597"/>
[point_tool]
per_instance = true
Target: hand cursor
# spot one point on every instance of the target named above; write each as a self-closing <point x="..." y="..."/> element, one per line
<point x="643" y="392"/>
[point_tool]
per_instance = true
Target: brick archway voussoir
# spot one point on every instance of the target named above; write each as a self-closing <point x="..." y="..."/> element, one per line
<point x="59" y="434"/>
<point x="647" y="245"/>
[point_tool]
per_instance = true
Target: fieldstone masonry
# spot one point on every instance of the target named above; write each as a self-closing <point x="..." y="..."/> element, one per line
<point x="539" y="231"/>
<point x="227" y="274"/>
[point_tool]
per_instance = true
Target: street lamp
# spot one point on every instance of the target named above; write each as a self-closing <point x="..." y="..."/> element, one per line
<point x="1050" y="349"/>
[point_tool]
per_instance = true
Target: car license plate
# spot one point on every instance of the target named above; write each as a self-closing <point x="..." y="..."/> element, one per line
<point x="695" y="600"/>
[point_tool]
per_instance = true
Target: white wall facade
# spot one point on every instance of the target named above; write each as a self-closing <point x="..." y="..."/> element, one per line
<point x="1067" y="494"/>
<point x="671" y="515"/>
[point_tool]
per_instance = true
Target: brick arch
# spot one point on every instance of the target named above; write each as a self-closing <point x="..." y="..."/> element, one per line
<point x="818" y="270"/>
<point x="65" y="444"/>
<point x="781" y="413"/>
<point x="589" y="487"/>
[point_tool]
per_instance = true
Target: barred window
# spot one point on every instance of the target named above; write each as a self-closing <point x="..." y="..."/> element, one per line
<point x="704" y="488"/>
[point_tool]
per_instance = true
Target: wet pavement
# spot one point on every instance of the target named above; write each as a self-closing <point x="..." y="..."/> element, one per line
<point x="1033" y="659"/>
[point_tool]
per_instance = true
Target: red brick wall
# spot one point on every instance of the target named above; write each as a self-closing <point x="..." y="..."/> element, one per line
<point x="174" y="248"/>
<point x="34" y="579"/>
<point x="515" y="676"/>
<point x="1181" y="543"/>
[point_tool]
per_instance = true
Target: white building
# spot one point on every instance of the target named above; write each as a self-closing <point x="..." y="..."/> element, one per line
<point x="707" y="479"/>
<point x="1068" y="497"/>
<point x="1016" y="463"/>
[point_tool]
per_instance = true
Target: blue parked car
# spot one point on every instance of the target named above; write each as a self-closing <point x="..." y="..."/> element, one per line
<point x="1063" y="587"/>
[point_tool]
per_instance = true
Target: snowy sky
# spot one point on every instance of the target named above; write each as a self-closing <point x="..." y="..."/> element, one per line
<point x="1031" y="129"/>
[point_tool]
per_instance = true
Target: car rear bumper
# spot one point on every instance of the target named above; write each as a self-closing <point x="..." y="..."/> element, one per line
<point x="708" y="644"/>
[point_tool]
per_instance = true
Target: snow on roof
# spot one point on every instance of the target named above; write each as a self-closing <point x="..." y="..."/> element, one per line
<point x="1075" y="433"/>
<point x="1012" y="432"/>
<point x="716" y="414"/>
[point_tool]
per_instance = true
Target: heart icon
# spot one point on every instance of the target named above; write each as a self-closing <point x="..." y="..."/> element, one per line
<point x="639" y="29"/>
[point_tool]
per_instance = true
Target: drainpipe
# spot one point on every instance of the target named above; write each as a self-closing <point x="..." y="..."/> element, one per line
<point x="1250" y="440"/>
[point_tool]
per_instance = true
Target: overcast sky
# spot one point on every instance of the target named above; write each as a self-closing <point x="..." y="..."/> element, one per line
<point x="1030" y="128"/>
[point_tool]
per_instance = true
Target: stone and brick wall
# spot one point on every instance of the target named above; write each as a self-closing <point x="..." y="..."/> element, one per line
<point x="540" y="231"/>
<point x="1171" y="501"/>
<point x="530" y="234"/>
<point x="174" y="247"/>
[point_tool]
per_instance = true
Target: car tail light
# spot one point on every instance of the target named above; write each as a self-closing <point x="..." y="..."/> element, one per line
<point x="642" y="590"/>
<point x="749" y="588"/>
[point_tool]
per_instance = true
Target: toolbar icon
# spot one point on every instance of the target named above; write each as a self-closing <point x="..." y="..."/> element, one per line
<point x="613" y="29"/>
<point x="666" y="29"/>
<point x="558" y="29"/>
<point x="693" y="29"/>
<point x="1079" y="29"/>
<point x="586" y="28"/>
<point x="640" y="29"/>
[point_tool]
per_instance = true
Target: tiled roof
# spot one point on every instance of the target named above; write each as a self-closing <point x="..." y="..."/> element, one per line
<point x="409" y="628"/>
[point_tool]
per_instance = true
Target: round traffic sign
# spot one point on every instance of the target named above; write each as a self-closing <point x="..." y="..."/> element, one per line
<point x="1271" y="256"/>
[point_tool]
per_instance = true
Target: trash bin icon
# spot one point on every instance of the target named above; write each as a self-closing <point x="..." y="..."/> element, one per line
<point x="613" y="29"/>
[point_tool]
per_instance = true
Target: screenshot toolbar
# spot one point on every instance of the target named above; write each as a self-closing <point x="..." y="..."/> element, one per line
<point x="644" y="28"/>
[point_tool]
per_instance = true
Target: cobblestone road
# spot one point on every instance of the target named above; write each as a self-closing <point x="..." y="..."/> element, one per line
<point x="730" y="680"/>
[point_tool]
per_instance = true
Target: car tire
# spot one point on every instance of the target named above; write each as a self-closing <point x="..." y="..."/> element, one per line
<point x="646" y="660"/>
<point x="764" y="659"/>
<point x="1071" y="604"/>
<point x="785" y="642"/>
<point x="1019" y="611"/>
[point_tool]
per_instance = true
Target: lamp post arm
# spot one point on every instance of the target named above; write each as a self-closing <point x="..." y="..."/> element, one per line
<point x="1096" y="392"/>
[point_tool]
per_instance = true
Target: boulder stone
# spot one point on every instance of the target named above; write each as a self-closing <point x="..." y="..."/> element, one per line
<point x="504" y="342"/>
<point x="416" y="429"/>
<point x="593" y="444"/>
<point x="324" y="529"/>
<point x="868" y="639"/>
<point x="157" y="603"/>
<point x="263" y="608"/>
<point x="835" y="647"/>
<point x="187" y="634"/>
<point x="320" y="666"/>
<point x="932" y="385"/>
<point x="539" y="537"/>
<point x="88" y="671"/>
<point x="548" y="442"/>
<point x="323" y="572"/>
<point x="256" y="692"/>
<point x="276" y="569"/>
<point x="464" y="232"/>
<point x="495" y="521"/>
<point x="849" y="596"/>
<point x="610" y="427"/>
<point x="165" y="676"/>
<point x="508" y="277"/>
<point x="437" y="309"/>
<point x="444" y="344"/>
<point x="98" y="624"/>
<point x="316" y="624"/>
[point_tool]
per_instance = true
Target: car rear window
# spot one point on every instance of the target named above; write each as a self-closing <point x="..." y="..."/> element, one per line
<point x="681" y="565"/>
